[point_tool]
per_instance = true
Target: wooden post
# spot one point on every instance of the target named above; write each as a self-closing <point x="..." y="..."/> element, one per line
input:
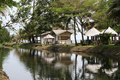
<point x="111" y="39"/>
<point x="115" y="38"/>
<point x="96" y="40"/>
<point x="91" y="37"/>
<point x="88" y="38"/>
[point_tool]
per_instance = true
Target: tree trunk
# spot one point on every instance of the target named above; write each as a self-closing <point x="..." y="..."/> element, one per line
<point x="30" y="39"/>
<point x="33" y="40"/>
<point x="75" y="32"/>
<point x="82" y="34"/>
<point x="40" y="39"/>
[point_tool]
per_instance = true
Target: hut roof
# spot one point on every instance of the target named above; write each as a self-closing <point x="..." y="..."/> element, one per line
<point x="48" y="36"/>
<point x="57" y="32"/>
<point x="109" y="30"/>
<point x="48" y="32"/>
<point x="92" y="32"/>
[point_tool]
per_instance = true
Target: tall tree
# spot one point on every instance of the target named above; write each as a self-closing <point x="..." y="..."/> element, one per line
<point x="37" y="21"/>
<point x="74" y="9"/>
<point x="100" y="15"/>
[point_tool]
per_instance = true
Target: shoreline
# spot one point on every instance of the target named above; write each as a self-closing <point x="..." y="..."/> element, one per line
<point x="3" y="75"/>
<point x="113" y="51"/>
<point x="109" y="50"/>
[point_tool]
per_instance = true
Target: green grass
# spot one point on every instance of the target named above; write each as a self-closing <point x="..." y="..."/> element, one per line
<point x="110" y="45"/>
<point x="16" y="46"/>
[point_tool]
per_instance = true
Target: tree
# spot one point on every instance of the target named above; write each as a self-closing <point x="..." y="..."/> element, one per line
<point x="4" y="35"/>
<point x="100" y="17"/>
<point x="113" y="14"/>
<point x="75" y="10"/>
<point x="40" y="19"/>
<point x="4" y="4"/>
<point x="114" y="9"/>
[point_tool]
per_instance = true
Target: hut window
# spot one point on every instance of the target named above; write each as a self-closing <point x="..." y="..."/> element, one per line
<point x="65" y="37"/>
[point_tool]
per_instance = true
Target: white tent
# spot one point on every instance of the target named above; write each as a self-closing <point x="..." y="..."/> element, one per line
<point x="92" y="32"/>
<point x="48" y="37"/>
<point x="109" y="30"/>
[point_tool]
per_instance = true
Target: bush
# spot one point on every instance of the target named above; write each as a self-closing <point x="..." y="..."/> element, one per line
<point x="105" y="38"/>
<point x="90" y="42"/>
<point x="83" y="43"/>
<point x="117" y="43"/>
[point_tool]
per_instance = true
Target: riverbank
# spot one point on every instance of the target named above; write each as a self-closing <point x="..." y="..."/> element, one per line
<point x="109" y="50"/>
<point x="3" y="75"/>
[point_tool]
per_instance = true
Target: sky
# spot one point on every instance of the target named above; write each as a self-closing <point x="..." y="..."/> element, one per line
<point x="18" y="26"/>
<point x="7" y="18"/>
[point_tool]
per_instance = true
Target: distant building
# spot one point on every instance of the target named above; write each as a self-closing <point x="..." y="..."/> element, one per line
<point x="57" y="37"/>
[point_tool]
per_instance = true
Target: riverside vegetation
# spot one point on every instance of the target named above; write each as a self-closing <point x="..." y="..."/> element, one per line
<point x="109" y="50"/>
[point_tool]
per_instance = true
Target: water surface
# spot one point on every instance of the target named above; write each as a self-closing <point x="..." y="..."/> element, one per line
<point x="26" y="64"/>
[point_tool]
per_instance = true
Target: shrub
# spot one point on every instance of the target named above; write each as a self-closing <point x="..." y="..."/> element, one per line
<point x="105" y="38"/>
<point x="117" y="43"/>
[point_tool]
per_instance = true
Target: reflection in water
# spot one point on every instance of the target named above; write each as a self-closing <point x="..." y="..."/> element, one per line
<point x="63" y="66"/>
<point x="3" y="54"/>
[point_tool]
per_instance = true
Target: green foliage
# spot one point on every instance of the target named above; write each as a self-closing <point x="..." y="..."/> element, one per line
<point x="4" y="35"/>
<point x="105" y="38"/>
<point x="3" y="54"/>
<point x="117" y="43"/>
<point x="5" y="3"/>
<point x="83" y="43"/>
<point x="117" y="28"/>
<point x="100" y="15"/>
<point x="118" y="74"/>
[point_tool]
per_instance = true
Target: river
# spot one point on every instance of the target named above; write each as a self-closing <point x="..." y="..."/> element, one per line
<point x="29" y="64"/>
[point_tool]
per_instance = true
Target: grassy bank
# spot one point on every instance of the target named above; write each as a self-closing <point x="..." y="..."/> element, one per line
<point x="111" y="50"/>
<point x="22" y="45"/>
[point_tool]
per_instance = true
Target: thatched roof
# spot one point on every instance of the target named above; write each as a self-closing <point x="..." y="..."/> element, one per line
<point x="109" y="30"/>
<point x="92" y="32"/>
<point x="48" y="32"/>
<point x="57" y="32"/>
<point x="48" y="37"/>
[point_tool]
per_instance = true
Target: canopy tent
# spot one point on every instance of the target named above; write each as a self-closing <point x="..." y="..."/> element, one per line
<point x="109" y="30"/>
<point x="92" y="32"/>
<point x="48" y="37"/>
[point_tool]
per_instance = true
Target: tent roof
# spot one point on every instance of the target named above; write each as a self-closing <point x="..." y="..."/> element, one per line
<point x="92" y="32"/>
<point x="48" y="36"/>
<point x="109" y="30"/>
<point x="57" y="32"/>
